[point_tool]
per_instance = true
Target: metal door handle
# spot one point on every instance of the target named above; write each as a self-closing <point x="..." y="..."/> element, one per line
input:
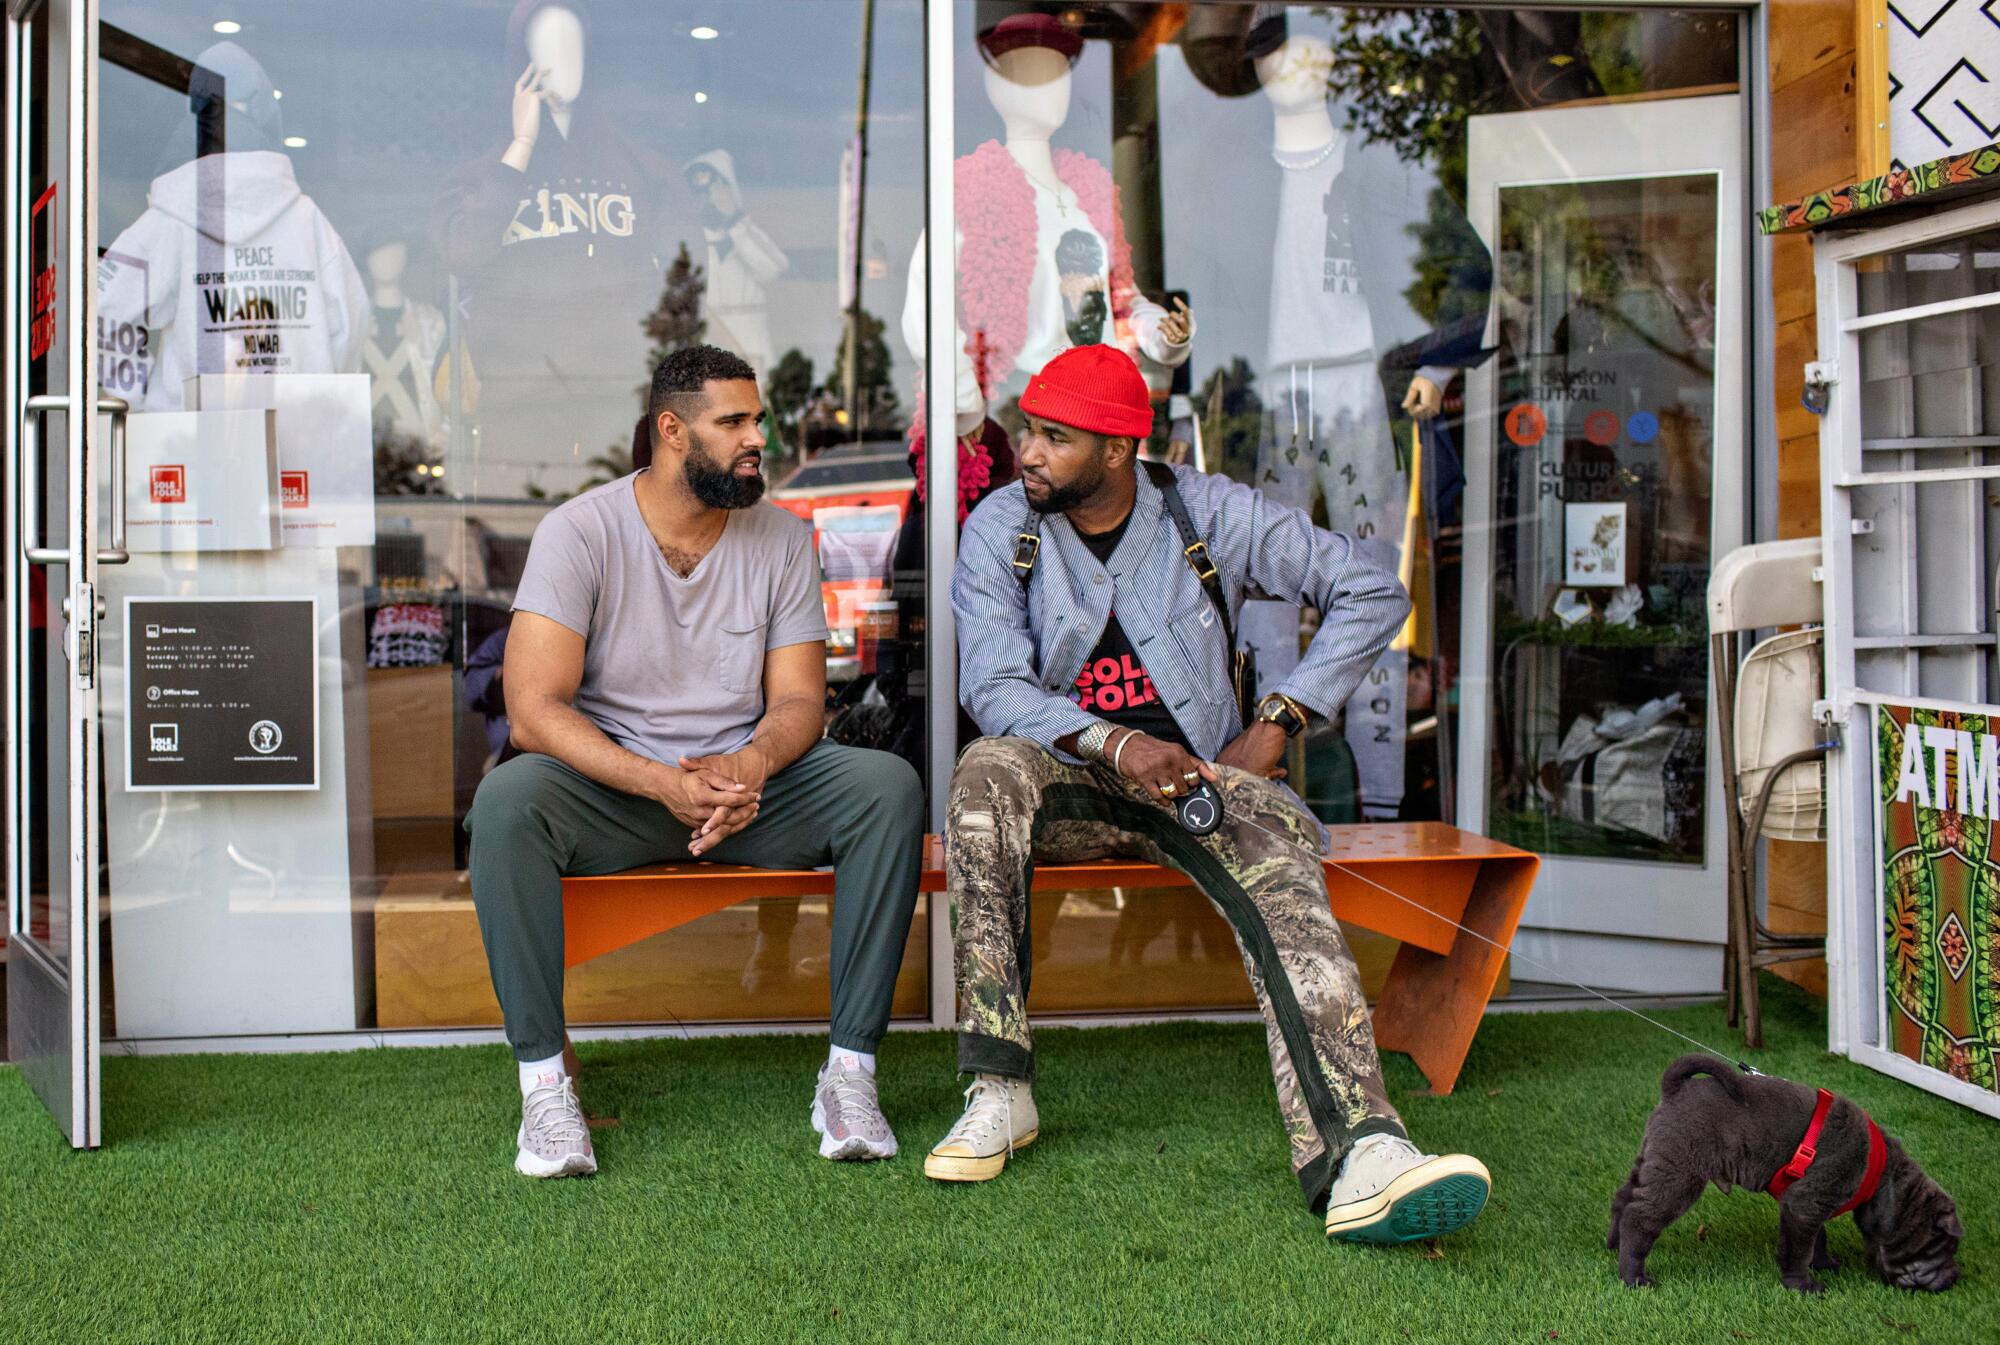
<point x="116" y="408"/>
<point x="31" y="480"/>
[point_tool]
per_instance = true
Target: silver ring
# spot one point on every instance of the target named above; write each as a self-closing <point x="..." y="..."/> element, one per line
<point x="1191" y="778"/>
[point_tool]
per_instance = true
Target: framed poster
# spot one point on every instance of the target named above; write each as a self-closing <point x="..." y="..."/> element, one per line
<point x="1937" y="798"/>
<point x="221" y="693"/>
<point x="1594" y="546"/>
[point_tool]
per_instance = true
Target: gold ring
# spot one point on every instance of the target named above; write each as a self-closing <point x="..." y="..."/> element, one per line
<point x="1169" y="789"/>
<point x="1191" y="778"/>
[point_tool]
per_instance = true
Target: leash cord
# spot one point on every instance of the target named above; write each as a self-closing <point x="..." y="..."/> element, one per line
<point x="1530" y="962"/>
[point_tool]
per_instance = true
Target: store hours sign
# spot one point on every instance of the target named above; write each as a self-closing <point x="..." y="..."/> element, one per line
<point x="221" y="693"/>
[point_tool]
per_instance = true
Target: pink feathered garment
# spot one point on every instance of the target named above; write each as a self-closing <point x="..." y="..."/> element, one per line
<point x="995" y="207"/>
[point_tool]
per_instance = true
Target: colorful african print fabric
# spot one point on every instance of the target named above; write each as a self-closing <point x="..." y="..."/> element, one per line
<point x="1939" y="790"/>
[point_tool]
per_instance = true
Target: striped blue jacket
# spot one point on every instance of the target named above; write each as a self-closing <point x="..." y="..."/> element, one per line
<point x="1020" y="651"/>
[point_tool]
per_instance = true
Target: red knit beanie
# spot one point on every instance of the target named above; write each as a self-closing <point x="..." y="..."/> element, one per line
<point x="1095" y="388"/>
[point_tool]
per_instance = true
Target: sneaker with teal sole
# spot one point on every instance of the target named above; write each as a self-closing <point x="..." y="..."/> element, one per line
<point x="1389" y="1191"/>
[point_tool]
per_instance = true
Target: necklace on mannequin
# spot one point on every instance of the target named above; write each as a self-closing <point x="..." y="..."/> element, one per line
<point x="1056" y="190"/>
<point x="1320" y="156"/>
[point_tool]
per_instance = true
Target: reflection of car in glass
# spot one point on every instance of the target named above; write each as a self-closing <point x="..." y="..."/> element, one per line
<point x="856" y="496"/>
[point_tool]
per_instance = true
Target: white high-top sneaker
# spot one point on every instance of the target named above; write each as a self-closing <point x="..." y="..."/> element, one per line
<point x="1388" y="1190"/>
<point x="999" y="1118"/>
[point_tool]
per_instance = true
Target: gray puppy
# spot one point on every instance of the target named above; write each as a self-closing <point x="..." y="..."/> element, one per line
<point x="1736" y="1129"/>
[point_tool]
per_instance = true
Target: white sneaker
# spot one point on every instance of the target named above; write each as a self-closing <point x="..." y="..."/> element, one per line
<point x="999" y="1118"/>
<point x="1390" y="1191"/>
<point x="555" y="1138"/>
<point x="847" y="1113"/>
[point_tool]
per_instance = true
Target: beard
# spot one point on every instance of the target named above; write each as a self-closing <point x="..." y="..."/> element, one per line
<point x="716" y="484"/>
<point x="1062" y="499"/>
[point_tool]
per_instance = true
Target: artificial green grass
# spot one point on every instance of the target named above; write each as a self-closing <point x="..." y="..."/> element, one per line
<point x="369" y="1197"/>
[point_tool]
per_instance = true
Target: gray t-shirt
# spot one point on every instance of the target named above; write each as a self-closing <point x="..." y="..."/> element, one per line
<point x="673" y="667"/>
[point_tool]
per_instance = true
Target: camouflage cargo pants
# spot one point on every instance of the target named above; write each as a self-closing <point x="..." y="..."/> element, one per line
<point x="1013" y="803"/>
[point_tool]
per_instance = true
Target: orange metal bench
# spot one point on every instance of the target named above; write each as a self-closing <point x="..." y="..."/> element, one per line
<point x="1429" y="1008"/>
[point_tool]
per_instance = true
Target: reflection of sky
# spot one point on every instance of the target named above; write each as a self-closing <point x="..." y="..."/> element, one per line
<point x="391" y="97"/>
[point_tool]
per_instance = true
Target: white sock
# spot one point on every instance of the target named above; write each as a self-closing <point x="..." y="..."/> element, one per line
<point x="542" y="1073"/>
<point x="839" y="1054"/>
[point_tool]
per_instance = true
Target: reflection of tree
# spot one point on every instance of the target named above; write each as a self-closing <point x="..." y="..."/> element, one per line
<point x="1232" y="416"/>
<point x="788" y="387"/>
<point x="1410" y="78"/>
<point x="405" y="464"/>
<point x="608" y="466"/>
<point x="874" y="393"/>
<point x="676" y="322"/>
<point x="1653" y="294"/>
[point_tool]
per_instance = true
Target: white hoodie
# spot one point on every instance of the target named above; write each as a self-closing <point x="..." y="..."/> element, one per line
<point x="232" y="269"/>
<point x="742" y="260"/>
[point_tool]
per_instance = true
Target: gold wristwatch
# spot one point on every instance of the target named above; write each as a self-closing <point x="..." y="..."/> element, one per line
<point x="1280" y="709"/>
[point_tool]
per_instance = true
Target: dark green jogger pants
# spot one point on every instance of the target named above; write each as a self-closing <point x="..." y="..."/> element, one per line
<point x="535" y="820"/>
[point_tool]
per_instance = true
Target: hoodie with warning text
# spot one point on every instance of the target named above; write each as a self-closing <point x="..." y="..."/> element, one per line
<point x="231" y="270"/>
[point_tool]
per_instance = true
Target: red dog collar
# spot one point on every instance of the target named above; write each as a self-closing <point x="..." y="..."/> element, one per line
<point x="1802" y="1159"/>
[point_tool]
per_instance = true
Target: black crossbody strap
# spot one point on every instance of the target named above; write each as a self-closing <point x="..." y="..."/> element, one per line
<point x="1193" y="547"/>
<point x="1027" y="547"/>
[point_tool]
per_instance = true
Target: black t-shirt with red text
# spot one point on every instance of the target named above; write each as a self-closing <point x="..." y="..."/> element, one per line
<point x="1113" y="684"/>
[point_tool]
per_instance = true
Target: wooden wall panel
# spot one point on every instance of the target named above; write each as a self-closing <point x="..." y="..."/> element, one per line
<point x="1809" y="34"/>
<point x="1812" y="131"/>
<point x="1814" y="146"/>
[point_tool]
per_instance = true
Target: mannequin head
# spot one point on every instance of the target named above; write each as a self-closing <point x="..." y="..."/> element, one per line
<point x="1029" y="87"/>
<point x="387" y="263"/>
<point x="231" y="86"/>
<point x="555" y="45"/>
<point x="1294" y="75"/>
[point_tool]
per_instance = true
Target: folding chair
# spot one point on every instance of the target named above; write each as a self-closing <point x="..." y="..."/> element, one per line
<point x="1771" y="746"/>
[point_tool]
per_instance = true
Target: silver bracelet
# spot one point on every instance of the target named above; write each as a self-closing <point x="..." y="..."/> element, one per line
<point x="1090" y="743"/>
<point x="1119" y="754"/>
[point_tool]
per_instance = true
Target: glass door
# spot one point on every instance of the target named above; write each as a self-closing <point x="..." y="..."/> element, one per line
<point x="1610" y="476"/>
<point x="51" y="600"/>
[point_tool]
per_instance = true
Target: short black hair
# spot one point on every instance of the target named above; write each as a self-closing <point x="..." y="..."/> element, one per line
<point x="678" y="380"/>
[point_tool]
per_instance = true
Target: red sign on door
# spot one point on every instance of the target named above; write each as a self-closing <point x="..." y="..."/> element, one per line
<point x="42" y="299"/>
<point x="293" y="490"/>
<point x="169" y="484"/>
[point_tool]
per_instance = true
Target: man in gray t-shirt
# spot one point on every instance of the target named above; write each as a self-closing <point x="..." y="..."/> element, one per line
<point x="665" y="683"/>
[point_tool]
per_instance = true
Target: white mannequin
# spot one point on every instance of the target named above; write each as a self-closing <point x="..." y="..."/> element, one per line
<point x="400" y="358"/>
<point x="386" y="265"/>
<point x="1029" y="89"/>
<point x="1295" y="80"/>
<point x="553" y="79"/>
<point x="1332" y="435"/>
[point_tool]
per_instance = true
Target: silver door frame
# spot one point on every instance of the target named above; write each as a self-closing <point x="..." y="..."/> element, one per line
<point x="54" y="1005"/>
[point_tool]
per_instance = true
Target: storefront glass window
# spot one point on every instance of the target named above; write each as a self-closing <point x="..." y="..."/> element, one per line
<point x="381" y="296"/>
<point x="1605" y="368"/>
<point x="1298" y="176"/>
<point x="380" y="304"/>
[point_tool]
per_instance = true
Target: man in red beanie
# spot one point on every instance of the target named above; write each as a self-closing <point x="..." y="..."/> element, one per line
<point x="1096" y="604"/>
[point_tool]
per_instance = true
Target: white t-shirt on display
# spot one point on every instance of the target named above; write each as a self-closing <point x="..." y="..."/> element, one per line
<point x="1319" y="304"/>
